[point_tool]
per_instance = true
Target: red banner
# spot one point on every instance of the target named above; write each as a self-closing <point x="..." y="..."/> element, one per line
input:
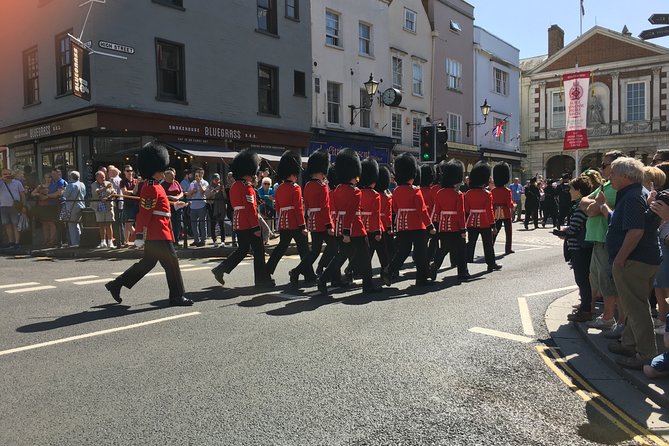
<point x="576" y="110"/>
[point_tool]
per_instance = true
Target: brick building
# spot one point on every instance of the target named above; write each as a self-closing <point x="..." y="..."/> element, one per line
<point x="627" y="102"/>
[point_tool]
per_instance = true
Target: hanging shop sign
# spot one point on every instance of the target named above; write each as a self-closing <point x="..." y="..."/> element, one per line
<point x="81" y="71"/>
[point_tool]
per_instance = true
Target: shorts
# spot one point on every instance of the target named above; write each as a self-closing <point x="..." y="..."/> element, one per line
<point x="601" y="276"/>
<point x="104" y="217"/>
<point x="662" y="276"/>
<point x="661" y="362"/>
<point x="9" y="215"/>
<point x="129" y="212"/>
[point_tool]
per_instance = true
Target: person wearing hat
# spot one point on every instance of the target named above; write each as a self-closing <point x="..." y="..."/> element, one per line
<point x="481" y="219"/>
<point x="153" y="229"/>
<point x="245" y="222"/>
<point x="449" y="211"/>
<point x="386" y="214"/>
<point x="412" y="222"/>
<point x="290" y="221"/>
<point x="435" y="187"/>
<point x="351" y="233"/>
<point x="370" y="210"/>
<point x="502" y="203"/>
<point x="319" y="220"/>
<point x="532" y="196"/>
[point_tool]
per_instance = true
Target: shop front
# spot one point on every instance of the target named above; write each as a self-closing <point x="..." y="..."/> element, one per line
<point x="513" y="159"/>
<point x="377" y="147"/>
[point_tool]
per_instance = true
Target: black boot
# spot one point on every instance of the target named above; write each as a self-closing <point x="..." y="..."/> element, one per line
<point x="218" y="275"/>
<point x="180" y="301"/>
<point x="115" y="289"/>
<point x="294" y="279"/>
<point x="322" y="285"/>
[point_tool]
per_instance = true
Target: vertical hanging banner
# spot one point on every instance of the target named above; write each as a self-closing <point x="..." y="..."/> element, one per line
<point x="81" y="71"/>
<point x="576" y="109"/>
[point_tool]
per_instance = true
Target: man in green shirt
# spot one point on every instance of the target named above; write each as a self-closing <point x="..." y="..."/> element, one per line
<point x="596" y="228"/>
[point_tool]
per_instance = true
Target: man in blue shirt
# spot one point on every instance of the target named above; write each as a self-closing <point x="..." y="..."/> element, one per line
<point x="633" y="249"/>
<point x="199" y="216"/>
<point x="517" y="190"/>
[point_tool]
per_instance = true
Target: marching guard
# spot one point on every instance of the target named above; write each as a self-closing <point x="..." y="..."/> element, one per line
<point x="370" y="210"/>
<point x="153" y="229"/>
<point x="502" y="203"/>
<point x="291" y="222"/>
<point x="245" y="221"/>
<point x="480" y="219"/>
<point x="386" y="213"/>
<point x="412" y="222"/>
<point x="449" y="209"/>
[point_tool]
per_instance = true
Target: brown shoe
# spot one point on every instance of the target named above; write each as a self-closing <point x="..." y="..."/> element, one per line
<point x="617" y="348"/>
<point x="634" y="362"/>
<point x="580" y="316"/>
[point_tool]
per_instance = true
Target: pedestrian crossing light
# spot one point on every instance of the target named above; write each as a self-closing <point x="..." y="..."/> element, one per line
<point x="428" y="152"/>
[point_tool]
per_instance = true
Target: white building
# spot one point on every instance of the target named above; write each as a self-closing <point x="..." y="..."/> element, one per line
<point x="391" y="40"/>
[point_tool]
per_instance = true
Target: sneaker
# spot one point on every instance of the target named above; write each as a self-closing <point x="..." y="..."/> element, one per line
<point x="602" y="324"/>
<point x="111" y="246"/>
<point x="616" y="332"/>
<point x="102" y="244"/>
<point x="580" y="316"/>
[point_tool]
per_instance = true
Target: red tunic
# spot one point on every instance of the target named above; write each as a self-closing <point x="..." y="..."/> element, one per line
<point x="428" y="198"/>
<point x="449" y="210"/>
<point x="434" y="190"/>
<point x="288" y="205"/>
<point x="411" y="212"/>
<point x="387" y="211"/>
<point x="347" y="199"/>
<point x="317" y="203"/>
<point x="153" y="218"/>
<point x="244" y="205"/>
<point x="502" y="203"/>
<point x="370" y="211"/>
<point x="478" y="204"/>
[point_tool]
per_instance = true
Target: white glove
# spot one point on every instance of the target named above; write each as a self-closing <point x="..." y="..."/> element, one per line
<point x="139" y="241"/>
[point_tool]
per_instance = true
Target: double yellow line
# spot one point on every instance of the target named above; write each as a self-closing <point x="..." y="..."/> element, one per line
<point x="559" y="365"/>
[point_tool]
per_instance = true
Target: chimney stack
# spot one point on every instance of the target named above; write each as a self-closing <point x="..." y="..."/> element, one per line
<point x="555" y="39"/>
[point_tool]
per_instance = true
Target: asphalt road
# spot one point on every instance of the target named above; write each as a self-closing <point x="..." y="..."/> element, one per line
<point x="241" y="368"/>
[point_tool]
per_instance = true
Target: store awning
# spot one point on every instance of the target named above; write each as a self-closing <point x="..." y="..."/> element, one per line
<point x="268" y="156"/>
<point x="203" y="150"/>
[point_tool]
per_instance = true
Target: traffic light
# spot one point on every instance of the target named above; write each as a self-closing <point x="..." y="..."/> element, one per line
<point x="442" y="141"/>
<point x="428" y="153"/>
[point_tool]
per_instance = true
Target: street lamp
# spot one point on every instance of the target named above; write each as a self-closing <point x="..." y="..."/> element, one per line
<point x="371" y="87"/>
<point x="485" y="110"/>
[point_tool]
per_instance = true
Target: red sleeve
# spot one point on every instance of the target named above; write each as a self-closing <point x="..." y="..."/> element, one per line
<point x="299" y="208"/>
<point x="467" y="200"/>
<point x="460" y="209"/>
<point x="490" y="211"/>
<point x="352" y="206"/>
<point x="422" y="208"/>
<point x="147" y="203"/>
<point x="375" y="224"/>
<point x="509" y="198"/>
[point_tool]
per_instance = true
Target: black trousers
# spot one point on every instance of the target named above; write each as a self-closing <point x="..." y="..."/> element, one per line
<point x="357" y="253"/>
<point x="454" y="243"/>
<point x="488" y="248"/>
<point x="532" y="211"/>
<point x="379" y="247"/>
<point x="317" y="239"/>
<point x="246" y="240"/>
<point x="156" y="251"/>
<point x="507" y="231"/>
<point x="405" y="240"/>
<point x="175" y="219"/>
<point x="285" y="237"/>
<point x="432" y="245"/>
<point x="580" y="262"/>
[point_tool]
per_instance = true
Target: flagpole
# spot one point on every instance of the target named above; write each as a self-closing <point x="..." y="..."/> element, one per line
<point x="580" y="16"/>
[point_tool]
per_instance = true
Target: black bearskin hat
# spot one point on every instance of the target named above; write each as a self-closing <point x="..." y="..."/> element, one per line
<point x="426" y="175"/>
<point x="245" y="163"/>
<point x="501" y="173"/>
<point x="332" y="178"/>
<point x="480" y="175"/>
<point x="370" y="172"/>
<point x="452" y="173"/>
<point x="348" y="165"/>
<point x="406" y="168"/>
<point x="318" y="162"/>
<point x="152" y="158"/>
<point x="383" y="182"/>
<point x="289" y="164"/>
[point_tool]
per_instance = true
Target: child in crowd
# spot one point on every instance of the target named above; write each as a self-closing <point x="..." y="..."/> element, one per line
<point x="659" y="366"/>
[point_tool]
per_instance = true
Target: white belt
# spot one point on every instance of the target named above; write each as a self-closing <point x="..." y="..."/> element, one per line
<point x="406" y="210"/>
<point x="449" y="213"/>
<point x="363" y="213"/>
<point x="238" y="208"/>
<point x="341" y="213"/>
<point x="312" y="210"/>
<point x="162" y="214"/>
<point x="382" y="215"/>
<point x="477" y="211"/>
<point x="287" y="208"/>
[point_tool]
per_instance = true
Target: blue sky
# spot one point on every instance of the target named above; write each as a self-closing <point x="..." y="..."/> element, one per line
<point x="524" y="23"/>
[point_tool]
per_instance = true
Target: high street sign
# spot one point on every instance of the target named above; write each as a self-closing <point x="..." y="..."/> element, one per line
<point x="659" y="19"/>
<point x="654" y="33"/>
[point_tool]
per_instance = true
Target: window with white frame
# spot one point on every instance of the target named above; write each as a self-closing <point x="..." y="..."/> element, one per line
<point x="417" y="123"/>
<point x="410" y="20"/>
<point x="332" y="23"/>
<point x="396" y="125"/>
<point x="365" y="110"/>
<point x="501" y="81"/>
<point x="453" y="74"/>
<point x="635" y="103"/>
<point x="501" y="135"/>
<point x="334" y="103"/>
<point x="364" y="39"/>
<point x="397" y="72"/>
<point x="557" y="110"/>
<point x="417" y="81"/>
<point x="454" y="124"/>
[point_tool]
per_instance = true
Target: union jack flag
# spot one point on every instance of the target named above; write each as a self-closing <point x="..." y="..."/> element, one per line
<point x="499" y="130"/>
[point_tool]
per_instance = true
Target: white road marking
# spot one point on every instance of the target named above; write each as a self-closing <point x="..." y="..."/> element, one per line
<point x="72" y="279"/>
<point x="90" y="282"/>
<point x="200" y="268"/>
<point x="187" y="265"/>
<point x="554" y="290"/>
<point x="26" y="290"/>
<point x="531" y="249"/>
<point x="525" y="317"/>
<point x="95" y="333"/>
<point x="16" y="285"/>
<point x="500" y="334"/>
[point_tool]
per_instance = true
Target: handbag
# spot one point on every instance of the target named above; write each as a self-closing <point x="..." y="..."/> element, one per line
<point x="23" y="224"/>
<point x="16" y="204"/>
<point x="64" y="214"/>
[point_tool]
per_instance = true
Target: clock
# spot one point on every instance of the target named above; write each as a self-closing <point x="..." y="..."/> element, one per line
<point x="392" y="97"/>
